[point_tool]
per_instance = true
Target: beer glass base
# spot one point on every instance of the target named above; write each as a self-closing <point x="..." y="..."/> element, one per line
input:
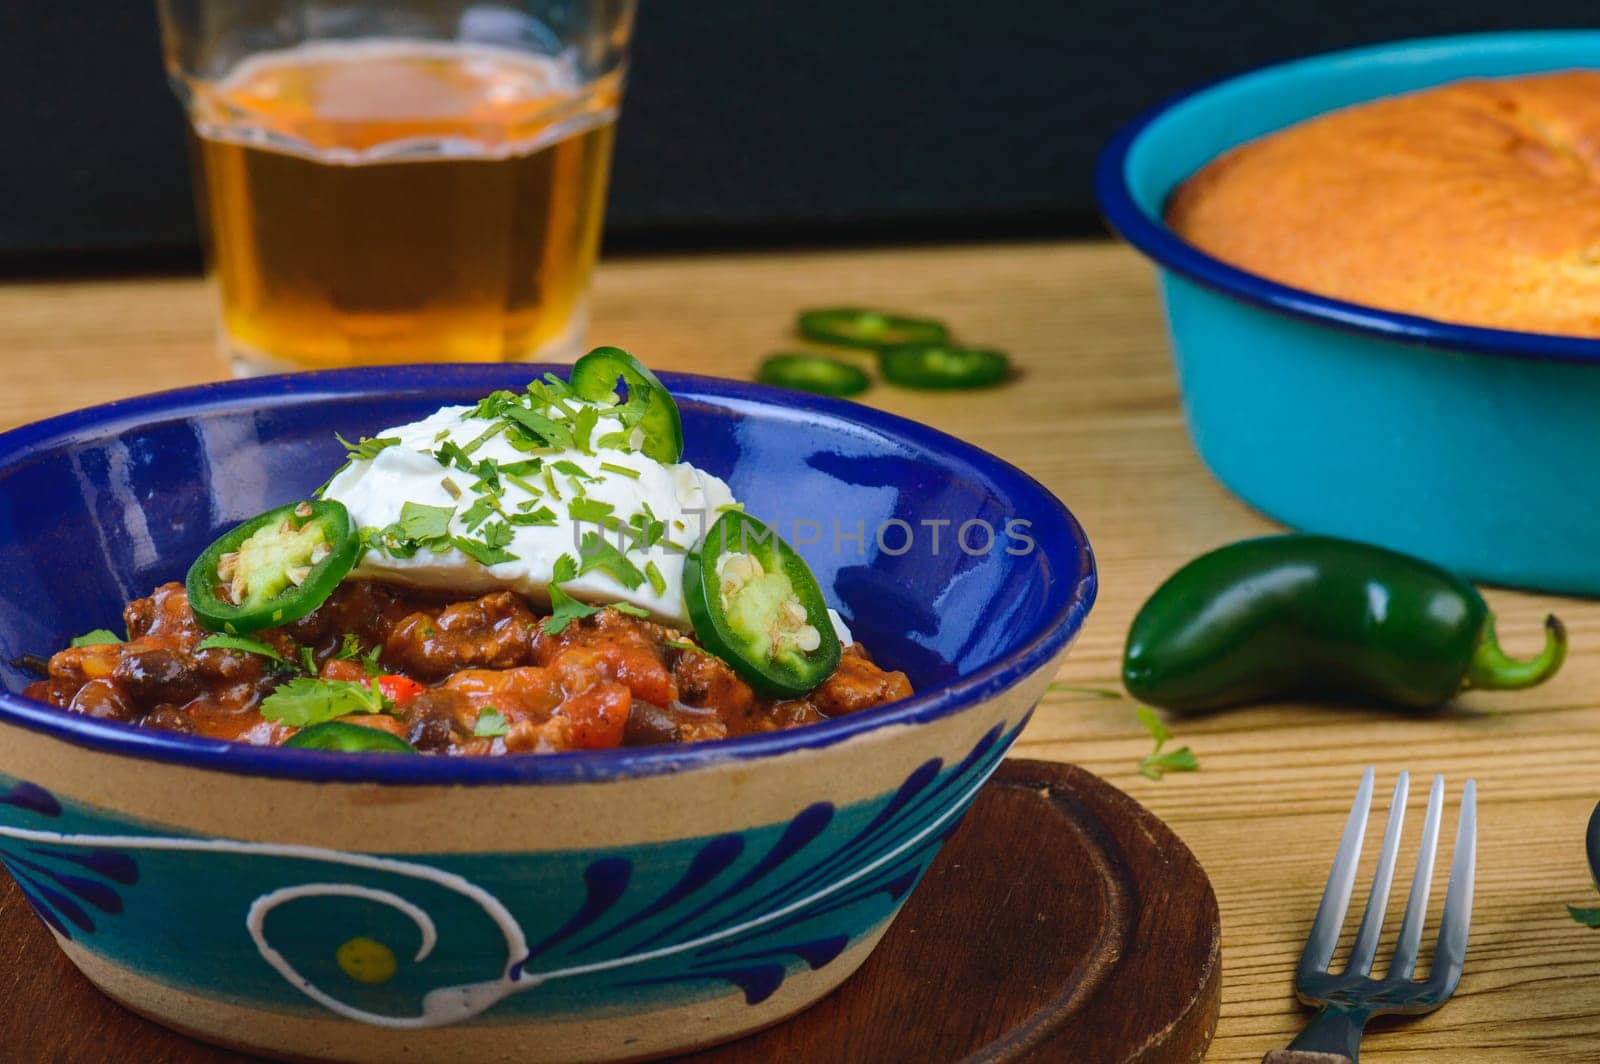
<point x="248" y="362"/>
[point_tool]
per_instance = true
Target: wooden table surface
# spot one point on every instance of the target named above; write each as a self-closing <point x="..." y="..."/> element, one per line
<point x="1095" y="417"/>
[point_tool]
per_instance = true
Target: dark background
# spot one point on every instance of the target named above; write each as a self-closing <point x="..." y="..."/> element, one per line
<point x="747" y="121"/>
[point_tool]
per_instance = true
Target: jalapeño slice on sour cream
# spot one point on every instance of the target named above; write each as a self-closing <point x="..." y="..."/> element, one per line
<point x="275" y="568"/>
<point x="594" y="377"/>
<point x="755" y="605"/>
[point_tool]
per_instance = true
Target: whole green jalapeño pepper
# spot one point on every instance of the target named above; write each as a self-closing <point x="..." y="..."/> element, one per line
<point x="594" y="377"/>
<point x="1312" y="615"/>
<point x="275" y="568"/>
<point x="755" y="605"/>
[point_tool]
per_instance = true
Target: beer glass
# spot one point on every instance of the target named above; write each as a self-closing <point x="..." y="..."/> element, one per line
<point x="384" y="181"/>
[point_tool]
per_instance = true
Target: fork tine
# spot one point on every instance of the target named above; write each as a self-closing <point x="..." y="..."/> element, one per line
<point x="1405" y="950"/>
<point x="1366" y="946"/>
<point x="1341" y="880"/>
<point x="1451" y="951"/>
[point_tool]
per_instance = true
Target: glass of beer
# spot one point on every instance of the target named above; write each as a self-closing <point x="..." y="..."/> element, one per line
<point x="384" y="181"/>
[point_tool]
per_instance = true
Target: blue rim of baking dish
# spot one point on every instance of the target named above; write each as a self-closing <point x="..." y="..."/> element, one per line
<point x="1077" y="589"/>
<point x="1152" y="236"/>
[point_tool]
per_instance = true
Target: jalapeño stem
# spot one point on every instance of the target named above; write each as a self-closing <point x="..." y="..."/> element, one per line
<point x="1492" y="669"/>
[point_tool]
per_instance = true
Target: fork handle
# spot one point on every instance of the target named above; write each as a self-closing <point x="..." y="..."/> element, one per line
<point x="1332" y="1036"/>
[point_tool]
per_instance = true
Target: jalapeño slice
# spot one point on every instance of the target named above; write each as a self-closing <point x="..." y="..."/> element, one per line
<point x="594" y="377"/>
<point x="755" y="605"/>
<point x="813" y="373"/>
<point x="275" y="568"/>
<point x="943" y="366"/>
<point x="349" y="738"/>
<point x="872" y="329"/>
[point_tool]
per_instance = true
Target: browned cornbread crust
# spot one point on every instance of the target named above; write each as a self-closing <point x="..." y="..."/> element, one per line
<point x="1477" y="202"/>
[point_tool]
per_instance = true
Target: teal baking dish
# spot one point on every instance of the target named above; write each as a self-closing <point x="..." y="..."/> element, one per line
<point x="1476" y="448"/>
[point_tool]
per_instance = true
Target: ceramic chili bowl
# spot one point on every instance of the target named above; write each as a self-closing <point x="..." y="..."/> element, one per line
<point x="589" y="906"/>
<point x="1464" y="445"/>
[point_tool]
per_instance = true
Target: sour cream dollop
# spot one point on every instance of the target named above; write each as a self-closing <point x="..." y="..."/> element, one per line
<point x="650" y="512"/>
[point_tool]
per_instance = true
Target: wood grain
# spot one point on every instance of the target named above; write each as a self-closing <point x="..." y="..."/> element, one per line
<point x="1095" y="417"/>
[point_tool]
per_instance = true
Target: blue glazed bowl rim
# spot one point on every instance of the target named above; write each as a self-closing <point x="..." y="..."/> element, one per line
<point x="29" y="440"/>
<point x="1152" y="236"/>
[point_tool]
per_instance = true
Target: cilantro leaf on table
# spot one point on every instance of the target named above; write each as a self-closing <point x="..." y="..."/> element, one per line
<point x="305" y="701"/>
<point x="1586" y="917"/>
<point x="1158" y="763"/>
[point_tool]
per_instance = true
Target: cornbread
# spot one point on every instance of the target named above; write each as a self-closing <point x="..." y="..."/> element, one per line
<point x="1477" y="202"/>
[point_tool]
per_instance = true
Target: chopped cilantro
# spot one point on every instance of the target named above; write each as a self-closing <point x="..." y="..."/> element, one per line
<point x="484" y="553"/>
<point x="304" y="701"/>
<point x="583" y="423"/>
<point x="591" y="510"/>
<point x="488" y="473"/>
<point x="525" y="485"/>
<point x="525" y="468"/>
<point x="98" y="637"/>
<point x="542" y="516"/>
<point x="678" y="644"/>
<point x="420" y="523"/>
<point x="550" y="482"/>
<point x="483" y="437"/>
<point x="658" y="582"/>
<point x="491" y="724"/>
<point x="452" y="454"/>
<point x="550" y="432"/>
<point x="308" y="661"/>
<point x="242" y="643"/>
<point x="366" y="448"/>
<point x="572" y="469"/>
<point x="629" y="608"/>
<point x="647" y="531"/>
<point x="612" y="467"/>
<point x="598" y="553"/>
<point x="350" y="649"/>
<point x="564" y="609"/>
<point x="493" y="404"/>
<point x="479" y="512"/>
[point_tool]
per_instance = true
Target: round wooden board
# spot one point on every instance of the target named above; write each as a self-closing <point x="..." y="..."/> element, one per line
<point x="1062" y="922"/>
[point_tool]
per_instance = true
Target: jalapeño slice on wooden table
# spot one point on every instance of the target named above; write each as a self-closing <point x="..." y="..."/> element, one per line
<point x="813" y="373"/>
<point x="755" y="605"/>
<point x="871" y="329"/>
<point x="942" y="366"/>
<point x="275" y="568"/>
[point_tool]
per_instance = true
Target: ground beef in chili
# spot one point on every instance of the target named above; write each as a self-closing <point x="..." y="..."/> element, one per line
<point x="604" y="681"/>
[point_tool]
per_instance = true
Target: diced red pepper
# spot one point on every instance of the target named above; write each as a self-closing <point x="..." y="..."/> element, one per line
<point x="399" y="689"/>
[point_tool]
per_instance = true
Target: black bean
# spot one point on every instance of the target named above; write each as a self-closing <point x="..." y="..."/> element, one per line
<point x="169" y="718"/>
<point x="151" y="677"/>
<point x="649" y="725"/>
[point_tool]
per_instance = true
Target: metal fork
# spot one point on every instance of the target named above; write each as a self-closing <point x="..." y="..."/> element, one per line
<point x="1348" y="1000"/>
